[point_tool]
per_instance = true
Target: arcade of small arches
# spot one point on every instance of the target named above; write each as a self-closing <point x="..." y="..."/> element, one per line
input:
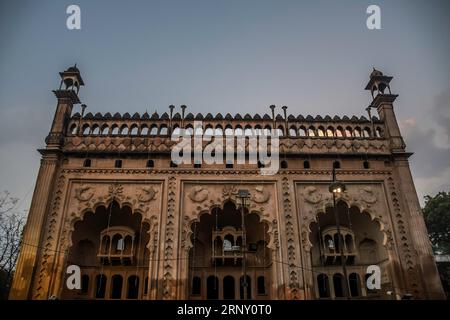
<point x="302" y="131"/>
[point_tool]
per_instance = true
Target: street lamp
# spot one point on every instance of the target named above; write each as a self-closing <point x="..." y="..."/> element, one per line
<point x="337" y="187"/>
<point x="244" y="201"/>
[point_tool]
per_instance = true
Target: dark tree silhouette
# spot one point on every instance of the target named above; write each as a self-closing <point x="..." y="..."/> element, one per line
<point x="11" y="226"/>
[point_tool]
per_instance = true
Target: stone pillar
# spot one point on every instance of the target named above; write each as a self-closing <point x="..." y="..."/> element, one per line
<point x="429" y="274"/>
<point x="384" y="105"/>
<point x="419" y="235"/>
<point x="30" y="249"/>
<point x="34" y="231"/>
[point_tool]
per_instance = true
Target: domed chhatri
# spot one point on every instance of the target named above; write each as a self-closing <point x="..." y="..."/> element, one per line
<point x="71" y="78"/>
<point x="378" y="82"/>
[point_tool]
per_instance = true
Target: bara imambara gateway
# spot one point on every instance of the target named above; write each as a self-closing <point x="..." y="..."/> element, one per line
<point x="110" y="199"/>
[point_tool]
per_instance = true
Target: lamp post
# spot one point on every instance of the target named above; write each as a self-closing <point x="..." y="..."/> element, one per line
<point x="337" y="187"/>
<point x="244" y="201"/>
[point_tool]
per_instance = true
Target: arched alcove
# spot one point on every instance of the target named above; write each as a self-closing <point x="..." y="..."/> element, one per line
<point x="362" y="244"/>
<point x="217" y="250"/>
<point x="107" y="242"/>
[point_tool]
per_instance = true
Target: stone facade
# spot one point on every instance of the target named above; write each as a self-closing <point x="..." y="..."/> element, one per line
<point x="107" y="185"/>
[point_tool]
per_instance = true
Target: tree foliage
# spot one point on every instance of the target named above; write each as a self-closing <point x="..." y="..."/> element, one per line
<point x="437" y="219"/>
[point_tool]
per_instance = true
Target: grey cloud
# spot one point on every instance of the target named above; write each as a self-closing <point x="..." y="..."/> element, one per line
<point x="441" y="110"/>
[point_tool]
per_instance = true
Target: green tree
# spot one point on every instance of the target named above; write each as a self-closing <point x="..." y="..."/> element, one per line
<point x="437" y="219"/>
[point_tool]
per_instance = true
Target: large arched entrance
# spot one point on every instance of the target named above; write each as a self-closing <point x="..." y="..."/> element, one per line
<point x="217" y="255"/>
<point x="109" y="246"/>
<point x="362" y="242"/>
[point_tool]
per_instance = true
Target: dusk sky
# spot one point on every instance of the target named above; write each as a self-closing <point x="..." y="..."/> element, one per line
<point x="225" y="56"/>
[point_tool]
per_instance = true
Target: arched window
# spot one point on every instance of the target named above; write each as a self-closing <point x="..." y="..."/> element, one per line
<point x="357" y="132"/>
<point x="348" y="132"/>
<point x="228" y="287"/>
<point x="96" y="130"/>
<point x="337" y="242"/>
<point x="378" y="132"/>
<point x="115" y="130"/>
<point x="329" y="243"/>
<point x="323" y="286"/>
<point x="267" y="130"/>
<point x="248" y="132"/>
<point x="106" y="240"/>
<point x="311" y="131"/>
<point x="87" y="163"/>
<point x="292" y="132"/>
<point x="238" y="131"/>
<point x="280" y="131"/>
<point x="189" y="131"/>
<point x="354" y="283"/>
<point x="339" y="132"/>
<point x="153" y="130"/>
<point x="124" y="130"/>
<point x="163" y="130"/>
<point x="150" y="164"/>
<point x="134" y="130"/>
<point x="284" y="164"/>
<point x="218" y="131"/>
<point x="302" y="131"/>
<point x="117" y="243"/>
<point x="306" y="164"/>
<point x="330" y="132"/>
<point x="84" y="283"/>
<point x="261" y="285"/>
<point x="118" y="163"/>
<point x="209" y="132"/>
<point x="228" y="131"/>
<point x="366" y="132"/>
<point x="336" y="165"/>
<point x="133" y="287"/>
<point x="105" y="130"/>
<point x="258" y="130"/>
<point x="176" y="132"/>
<point x="321" y="132"/>
<point x="86" y="129"/>
<point x="116" y="288"/>
<point x="212" y="287"/>
<point x="144" y="130"/>
<point x="196" y="286"/>
<point x="349" y="243"/>
<point x="100" y="286"/>
<point x="338" y="283"/>
<point x="73" y="129"/>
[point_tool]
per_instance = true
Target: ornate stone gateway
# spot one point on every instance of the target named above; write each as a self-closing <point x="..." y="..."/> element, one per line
<point x="213" y="236"/>
<point x="110" y="200"/>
